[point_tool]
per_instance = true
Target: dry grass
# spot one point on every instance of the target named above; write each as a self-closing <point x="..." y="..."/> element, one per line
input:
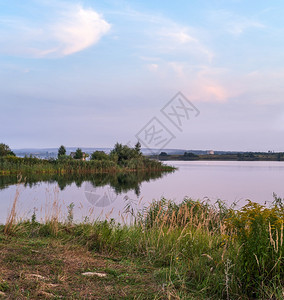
<point x="11" y="219"/>
<point x="45" y="268"/>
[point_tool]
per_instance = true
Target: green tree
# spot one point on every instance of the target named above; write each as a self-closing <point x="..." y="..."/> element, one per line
<point x="163" y="154"/>
<point x="99" y="155"/>
<point x="124" y="153"/>
<point x="61" y="151"/>
<point x="78" y="154"/>
<point x="5" y="150"/>
<point x="190" y="156"/>
<point x="138" y="148"/>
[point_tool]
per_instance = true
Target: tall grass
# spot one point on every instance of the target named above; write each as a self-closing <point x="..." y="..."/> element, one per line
<point x="198" y="250"/>
<point x="11" y="219"/>
<point x="53" y="213"/>
<point x="259" y="230"/>
<point x="30" y="165"/>
<point x="203" y="250"/>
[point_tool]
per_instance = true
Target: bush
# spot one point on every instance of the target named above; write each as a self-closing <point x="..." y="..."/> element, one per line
<point x="99" y="155"/>
<point x="259" y="231"/>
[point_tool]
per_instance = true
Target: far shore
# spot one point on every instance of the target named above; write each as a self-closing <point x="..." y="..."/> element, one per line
<point x="247" y="156"/>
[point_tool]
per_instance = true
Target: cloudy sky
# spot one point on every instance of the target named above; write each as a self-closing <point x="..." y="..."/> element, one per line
<point x="91" y="73"/>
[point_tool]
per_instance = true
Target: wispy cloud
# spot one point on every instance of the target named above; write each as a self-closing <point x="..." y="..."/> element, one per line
<point x="158" y="35"/>
<point x="78" y="29"/>
<point x="70" y="29"/>
<point x="233" y="23"/>
<point x="174" y="53"/>
<point x="208" y="86"/>
<point x="179" y="35"/>
<point x="175" y="37"/>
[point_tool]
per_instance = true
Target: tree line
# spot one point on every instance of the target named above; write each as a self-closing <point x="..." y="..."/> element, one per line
<point x="119" y="154"/>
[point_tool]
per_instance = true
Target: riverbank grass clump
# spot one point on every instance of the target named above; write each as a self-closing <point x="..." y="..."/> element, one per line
<point x="193" y="250"/>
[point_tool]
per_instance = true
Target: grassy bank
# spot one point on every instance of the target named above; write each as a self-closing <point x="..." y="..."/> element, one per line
<point x="10" y="165"/>
<point x="187" y="251"/>
<point x="121" y="159"/>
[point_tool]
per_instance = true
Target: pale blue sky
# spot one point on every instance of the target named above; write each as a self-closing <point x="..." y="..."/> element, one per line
<point x="90" y="73"/>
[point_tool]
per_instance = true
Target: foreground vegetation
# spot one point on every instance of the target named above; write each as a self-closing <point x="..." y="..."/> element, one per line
<point x="42" y="266"/>
<point x="189" y="251"/>
<point x="121" y="158"/>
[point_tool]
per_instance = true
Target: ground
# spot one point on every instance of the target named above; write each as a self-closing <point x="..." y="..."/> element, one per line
<point x="42" y="268"/>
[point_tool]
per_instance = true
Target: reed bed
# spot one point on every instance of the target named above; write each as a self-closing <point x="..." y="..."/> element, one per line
<point x="30" y="165"/>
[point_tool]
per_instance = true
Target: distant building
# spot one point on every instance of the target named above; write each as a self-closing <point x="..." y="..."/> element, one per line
<point x="210" y="152"/>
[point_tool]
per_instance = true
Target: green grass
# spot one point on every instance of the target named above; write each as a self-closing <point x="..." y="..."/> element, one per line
<point x="29" y="165"/>
<point x="189" y="251"/>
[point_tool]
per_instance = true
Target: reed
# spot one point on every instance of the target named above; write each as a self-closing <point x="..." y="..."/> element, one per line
<point x="29" y="165"/>
<point x="10" y="224"/>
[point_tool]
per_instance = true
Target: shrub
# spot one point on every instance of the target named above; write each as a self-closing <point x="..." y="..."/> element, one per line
<point x="259" y="231"/>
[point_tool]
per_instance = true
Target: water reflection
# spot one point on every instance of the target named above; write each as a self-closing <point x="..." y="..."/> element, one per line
<point x="119" y="182"/>
<point x="99" y="195"/>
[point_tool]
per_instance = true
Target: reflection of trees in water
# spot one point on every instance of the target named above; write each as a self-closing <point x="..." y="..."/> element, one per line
<point x="120" y="182"/>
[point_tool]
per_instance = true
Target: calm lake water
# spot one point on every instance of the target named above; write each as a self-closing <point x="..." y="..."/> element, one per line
<point x="106" y="196"/>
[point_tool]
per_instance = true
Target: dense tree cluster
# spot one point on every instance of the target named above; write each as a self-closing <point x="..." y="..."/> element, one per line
<point x="79" y="154"/>
<point x="99" y="155"/>
<point x="120" y="154"/>
<point x="5" y="150"/>
<point x="124" y="153"/>
<point x="190" y="155"/>
<point x="163" y="154"/>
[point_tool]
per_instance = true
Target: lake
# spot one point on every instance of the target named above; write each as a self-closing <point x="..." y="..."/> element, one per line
<point x="107" y="196"/>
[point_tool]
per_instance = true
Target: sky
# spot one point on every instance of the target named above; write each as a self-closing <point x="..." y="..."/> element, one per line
<point x="92" y="73"/>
